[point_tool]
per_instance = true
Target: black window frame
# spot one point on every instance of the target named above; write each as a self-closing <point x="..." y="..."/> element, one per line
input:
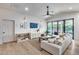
<point x="64" y="20"/>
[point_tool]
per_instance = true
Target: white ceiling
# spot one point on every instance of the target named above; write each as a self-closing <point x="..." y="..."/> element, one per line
<point x="39" y="9"/>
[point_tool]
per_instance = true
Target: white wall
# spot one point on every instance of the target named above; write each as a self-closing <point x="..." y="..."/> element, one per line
<point x="19" y="18"/>
<point x="41" y="25"/>
<point x="67" y="16"/>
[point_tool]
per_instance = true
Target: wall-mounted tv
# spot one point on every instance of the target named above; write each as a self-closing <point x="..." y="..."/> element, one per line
<point x="33" y="25"/>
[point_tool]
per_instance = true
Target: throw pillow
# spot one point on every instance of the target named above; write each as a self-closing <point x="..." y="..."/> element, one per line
<point x="51" y="40"/>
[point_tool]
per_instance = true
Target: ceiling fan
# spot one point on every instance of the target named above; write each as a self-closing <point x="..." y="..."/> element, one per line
<point x="48" y="12"/>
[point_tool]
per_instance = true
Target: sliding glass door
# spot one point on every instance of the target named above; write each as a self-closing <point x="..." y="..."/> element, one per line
<point x="60" y="26"/>
<point x="66" y="26"/>
<point x="54" y="27"/>
<point x="49" y="28"/>
<point x="69" y="27"/>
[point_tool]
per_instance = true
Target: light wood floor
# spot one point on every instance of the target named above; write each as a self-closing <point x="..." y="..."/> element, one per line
<point x="23" y="48"/>
<point x="32" y="47"/>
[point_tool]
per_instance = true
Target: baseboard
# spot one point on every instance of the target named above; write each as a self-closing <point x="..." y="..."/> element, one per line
<point x="9" y="42"/>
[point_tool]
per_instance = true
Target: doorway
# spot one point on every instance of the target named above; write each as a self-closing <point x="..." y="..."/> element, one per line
<point x="7" y="31"/>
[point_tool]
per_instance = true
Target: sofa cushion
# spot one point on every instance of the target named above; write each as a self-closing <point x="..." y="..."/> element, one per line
<point x="61" y="40"/>
<point x="54" y="41"/>
<point x="51" y="40"/>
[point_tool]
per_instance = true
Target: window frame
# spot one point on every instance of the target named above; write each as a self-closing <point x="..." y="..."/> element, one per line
<point x="64" y="20"/>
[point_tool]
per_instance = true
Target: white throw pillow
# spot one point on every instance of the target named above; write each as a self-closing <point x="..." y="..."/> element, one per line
<point x="57" y="36"/>
<point x="51" y="40"/>
<point x="61" y="40"/>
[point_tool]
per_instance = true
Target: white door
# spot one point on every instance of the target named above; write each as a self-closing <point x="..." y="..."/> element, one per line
<point x="0" y="32"/>
<point x="7" y="31"/>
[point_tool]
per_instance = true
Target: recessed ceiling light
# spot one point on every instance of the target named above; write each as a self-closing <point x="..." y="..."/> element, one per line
<point x="70" y="8"/>
<point x="26" y="9"/>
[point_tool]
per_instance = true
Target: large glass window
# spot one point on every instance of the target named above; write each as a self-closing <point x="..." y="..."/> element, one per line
<point x="66" y="26"/>
<point x="49" y="28"/>
<point x="60" y="26"/>
<point x="69" y="27"/>
<point x="54" y="27"/>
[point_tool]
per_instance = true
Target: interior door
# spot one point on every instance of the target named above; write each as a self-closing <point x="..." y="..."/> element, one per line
<point x="0" y="32"/>
<point x="7" y="31"/>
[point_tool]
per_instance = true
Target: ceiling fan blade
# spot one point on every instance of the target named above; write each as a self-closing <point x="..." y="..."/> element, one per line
<point x="49" y="13"/>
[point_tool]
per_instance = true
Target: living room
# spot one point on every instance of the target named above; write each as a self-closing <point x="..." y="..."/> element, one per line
<point x="36" y="28"/>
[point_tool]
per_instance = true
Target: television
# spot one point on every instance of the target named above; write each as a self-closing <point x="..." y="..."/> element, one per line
<point x="33" y="25"/>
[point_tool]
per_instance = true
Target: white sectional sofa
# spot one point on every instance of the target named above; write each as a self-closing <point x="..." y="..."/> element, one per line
<point x="54" y="48"/>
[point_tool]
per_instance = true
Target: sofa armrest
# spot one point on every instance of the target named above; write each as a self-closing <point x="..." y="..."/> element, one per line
<point x="50" y="47"/>
<point x="52" y="44"/>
